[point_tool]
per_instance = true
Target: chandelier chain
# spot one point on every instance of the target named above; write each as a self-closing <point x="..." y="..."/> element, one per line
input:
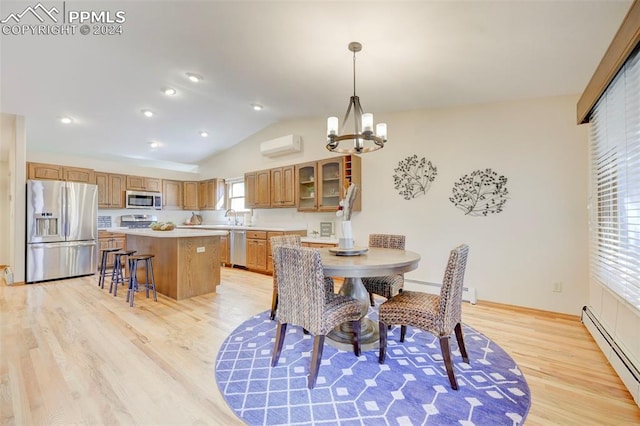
<point x="354" y="73"/>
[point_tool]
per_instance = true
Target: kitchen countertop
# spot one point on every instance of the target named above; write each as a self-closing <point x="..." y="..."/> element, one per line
<point x="176" y="233"/>
<point x="245" y="228"/>
<point x="320" y="240"/>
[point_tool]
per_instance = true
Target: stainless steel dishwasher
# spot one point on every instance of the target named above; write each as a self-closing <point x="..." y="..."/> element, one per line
<point x="238" y="247"/>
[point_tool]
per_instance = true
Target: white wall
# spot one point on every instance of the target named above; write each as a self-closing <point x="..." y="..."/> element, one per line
<point x="7" y="138"/>
<point x="516" y="256"/>
<point x="13" y="148"/>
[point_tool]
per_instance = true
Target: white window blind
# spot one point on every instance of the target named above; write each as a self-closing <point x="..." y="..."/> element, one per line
<point x="614" y="134"/>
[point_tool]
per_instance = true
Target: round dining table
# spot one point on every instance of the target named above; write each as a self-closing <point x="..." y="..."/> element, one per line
<point x="353" y="265"/>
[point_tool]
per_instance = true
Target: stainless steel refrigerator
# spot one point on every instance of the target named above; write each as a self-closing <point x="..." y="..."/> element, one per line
<point x="62" y="229"/>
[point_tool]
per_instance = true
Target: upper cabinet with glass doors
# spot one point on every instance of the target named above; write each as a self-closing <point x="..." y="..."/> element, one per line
<point x="306" y="187"/>
<point x="320" y="185"/>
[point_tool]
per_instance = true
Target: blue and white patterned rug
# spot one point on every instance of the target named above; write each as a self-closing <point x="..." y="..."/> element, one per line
<point x="411" y="388"/>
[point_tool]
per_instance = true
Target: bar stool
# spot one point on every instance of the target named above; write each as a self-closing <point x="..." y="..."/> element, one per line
<point x="103" y="264"/>
<point x="117" y="275"/>
<point x="133" y="276"/>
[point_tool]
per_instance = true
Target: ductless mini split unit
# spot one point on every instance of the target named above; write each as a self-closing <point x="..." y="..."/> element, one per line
<point x="281" y="146"/>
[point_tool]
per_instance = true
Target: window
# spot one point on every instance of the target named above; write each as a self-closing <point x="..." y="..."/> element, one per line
<point x="235" y="193"/>
<point x="614" y="135"/>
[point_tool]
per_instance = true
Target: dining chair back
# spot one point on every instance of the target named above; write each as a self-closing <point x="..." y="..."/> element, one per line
<point x="295" y="241"/>
<point x="389" y="285"/>
<point x="277" y="241"/>
<point x="439" y="315"/>
<point x="387" y="241"/>
<point x="304" y="302"/>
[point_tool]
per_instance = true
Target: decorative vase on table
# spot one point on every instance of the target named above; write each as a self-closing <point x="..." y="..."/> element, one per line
<point x="346" y="242"/>
<point x="344" y="211"/>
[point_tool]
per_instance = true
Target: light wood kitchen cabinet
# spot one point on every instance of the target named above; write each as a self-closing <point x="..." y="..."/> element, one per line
<point x="306" y="178"/>
<point x="263" y="188"/>
<point x="283" y="187"/>
<point x="111" y="189"/>
<point x="44" y="171"/>
<point x="269" y="253"/>
<point x="320" y="185"/>
<point x="257" y="250"/>
<point x="250" y="190"/>
<point x="316" y="186"/>
<point x="142" y="183"/>
<point x="107" y="240"/>
<point x="224" y="249"/>
<point x="171" y="194"/>
<point x="211" y="194"/>
<point x="57" y="172"/>
<point x="190" y="196"/>
<point x="333" y="178"/>
<point x="153" y="184"/>
<point x="78" y="174"/>
<point x="258" y="189"/>
<point x="259" y="257"/>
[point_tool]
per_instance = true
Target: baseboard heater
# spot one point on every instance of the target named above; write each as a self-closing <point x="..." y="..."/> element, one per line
<point x="595" y="326"/>
<point x="468" y="293"/>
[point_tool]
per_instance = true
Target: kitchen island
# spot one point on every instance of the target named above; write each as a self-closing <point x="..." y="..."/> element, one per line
<point x="186" y="262"/>
<point x="249" y="246"/>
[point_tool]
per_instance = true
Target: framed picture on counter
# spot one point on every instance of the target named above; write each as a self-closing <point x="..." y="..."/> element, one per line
<point x="326" y="229"/>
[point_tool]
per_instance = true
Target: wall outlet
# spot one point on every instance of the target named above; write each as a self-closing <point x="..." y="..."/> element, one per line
<point x="557" y="287"/>
<point x="200" y="250"/>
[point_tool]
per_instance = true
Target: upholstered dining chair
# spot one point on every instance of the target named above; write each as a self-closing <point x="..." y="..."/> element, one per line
<point x="303" y="301"/>
<point x="289" y="240"/>
<point x="438" y="315"/>
<point x="390" y="285"/>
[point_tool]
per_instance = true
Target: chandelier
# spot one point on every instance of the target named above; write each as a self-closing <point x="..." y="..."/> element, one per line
<point x="363" y="139"/>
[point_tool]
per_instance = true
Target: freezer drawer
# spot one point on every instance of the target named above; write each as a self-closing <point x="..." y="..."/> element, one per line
<point x="50" y="261"/>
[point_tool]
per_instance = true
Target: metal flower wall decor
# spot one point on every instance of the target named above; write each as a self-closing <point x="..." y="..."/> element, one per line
<point x="413" y="177"/>
<point x="480" y="193"/>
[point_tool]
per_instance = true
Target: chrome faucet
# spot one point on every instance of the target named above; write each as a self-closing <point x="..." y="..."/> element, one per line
<point x="228" y="214"/>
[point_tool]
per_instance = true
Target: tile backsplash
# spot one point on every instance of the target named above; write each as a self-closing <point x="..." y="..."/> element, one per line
<point x="104" y="221"/>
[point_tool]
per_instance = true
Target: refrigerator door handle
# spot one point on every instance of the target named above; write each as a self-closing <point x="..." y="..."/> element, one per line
<point x="62" y="244"/>
<point x="65" y="212"/>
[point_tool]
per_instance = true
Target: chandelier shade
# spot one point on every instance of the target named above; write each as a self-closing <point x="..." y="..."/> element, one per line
<point x="363" y="139"/>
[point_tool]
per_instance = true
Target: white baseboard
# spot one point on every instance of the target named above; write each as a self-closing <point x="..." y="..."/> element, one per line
<point x="627" y="368"/>
<point x="468" y="293"/>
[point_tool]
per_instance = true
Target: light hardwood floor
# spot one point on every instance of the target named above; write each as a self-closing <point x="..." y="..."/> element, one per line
<point x="73" y="354"/>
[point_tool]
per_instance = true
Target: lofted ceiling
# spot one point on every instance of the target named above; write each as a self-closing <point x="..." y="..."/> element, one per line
<point x="289" y="56"/>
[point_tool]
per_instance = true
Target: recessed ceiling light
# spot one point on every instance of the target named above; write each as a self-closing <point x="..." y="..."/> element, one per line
<point x="147" y="112"/>
<point x="257" y="107"/>
<point x="66" y="120"/>
<point x="155" y="144"/>
<point x="194" y="77"/>
<point x="169" y="91"/>
<point x="204" y="134"/>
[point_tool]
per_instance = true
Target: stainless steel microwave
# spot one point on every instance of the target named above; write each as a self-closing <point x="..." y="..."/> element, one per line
<point x="143" y="200"/>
